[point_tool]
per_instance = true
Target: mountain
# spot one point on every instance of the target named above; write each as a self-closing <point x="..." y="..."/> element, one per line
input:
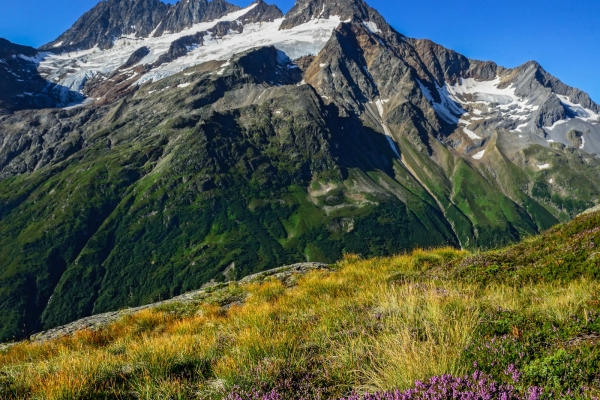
<point x="252" y="139"/>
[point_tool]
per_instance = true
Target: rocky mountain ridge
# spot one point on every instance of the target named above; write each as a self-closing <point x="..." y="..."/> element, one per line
<point x="287" y="275"/>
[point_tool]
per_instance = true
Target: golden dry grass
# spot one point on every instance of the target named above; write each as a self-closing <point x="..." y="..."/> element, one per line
<point x="358" y="327"/>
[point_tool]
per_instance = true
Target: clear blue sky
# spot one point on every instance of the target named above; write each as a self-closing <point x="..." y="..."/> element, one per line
<point x="564" y="36"/>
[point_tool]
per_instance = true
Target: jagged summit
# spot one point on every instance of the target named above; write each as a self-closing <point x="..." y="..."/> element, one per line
<point x="111" y="20"/>
<point x="347" y="10"/>
<point x="185" y="14"/>
<point x="263" y="12"/>
<point x="108" y="21"/>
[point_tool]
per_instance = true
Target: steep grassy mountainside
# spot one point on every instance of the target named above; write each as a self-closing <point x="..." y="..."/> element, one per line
<point x="162" y="193"/>
<point x="521" y="323"/>
<point x="233" y="168"/>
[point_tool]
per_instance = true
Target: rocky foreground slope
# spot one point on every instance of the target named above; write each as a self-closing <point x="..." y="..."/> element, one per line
<point x="218" y="141"/>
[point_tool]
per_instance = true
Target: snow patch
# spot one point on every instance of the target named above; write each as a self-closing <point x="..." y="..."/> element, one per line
<point x="386" y="130"/>
<point x="582" y="143"/>
<point x="520" y="128"/>
<point x="505" y="101"/>
<point x="184" y="85"/>
<point x="557" y="123"/>
<point x="227" y="64"/>
<point x="379" y="105"/>
<point x="471" y="134"/>
<point x="388" y="136"/>
<point x="479" y="155"/>
<point x="58" y="44"/>
<point x="544" y="166"/>
<point x="581" y="112"/>
<point x="78" y="105"/>
<point x="447" y="109"/>
<point x="155" y="29"/>
<point x="425" y="91"/>
<point x="372" y="26"/>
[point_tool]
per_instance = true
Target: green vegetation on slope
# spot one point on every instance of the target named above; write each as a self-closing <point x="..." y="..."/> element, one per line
<point x="530" y="312"/>
<point x="170" y="188"/>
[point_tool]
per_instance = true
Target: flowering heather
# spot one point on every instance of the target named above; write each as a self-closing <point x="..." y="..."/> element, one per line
<point x="470" y="387"/>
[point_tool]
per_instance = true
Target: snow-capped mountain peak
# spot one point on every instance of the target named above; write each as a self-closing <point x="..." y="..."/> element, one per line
<point x="166" y="53"/>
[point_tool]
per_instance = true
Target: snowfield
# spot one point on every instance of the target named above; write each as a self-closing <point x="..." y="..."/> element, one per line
<point x="73" y="70"/>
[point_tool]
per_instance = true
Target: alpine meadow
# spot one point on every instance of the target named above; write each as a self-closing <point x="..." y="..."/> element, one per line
<point x="206" y="201"/>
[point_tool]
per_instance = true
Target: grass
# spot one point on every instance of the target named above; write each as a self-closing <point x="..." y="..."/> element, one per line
<point x="367" y="325"/>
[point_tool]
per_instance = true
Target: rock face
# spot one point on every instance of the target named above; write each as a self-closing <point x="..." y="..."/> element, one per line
<point x="115" y="19"/>
<point x="187" y="13"/>
<point x="248" y="142"/>
<point x="263" y="12"/>
<point x="108" y="21"/>
<point x="305" y="10"/>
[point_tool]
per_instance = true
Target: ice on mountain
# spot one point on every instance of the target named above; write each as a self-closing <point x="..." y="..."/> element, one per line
<point x="79" y="104"/>
<point x="578" y="110"/>
<point x="155" y="29"/>
<point x="520" y="127"/>
<point x="35" y="60"/>
<point x="471" y="134"/>
<point x="379" y="105"/>
<point x="479" y="155"/>
<point x="388" y="134"/>
<point x="75" y="82"/>
<point x="448" y="109"/>
<point x="559" y="122"/>
<point x="302" y="40"/>
<point x="425" y="91"/>
<point x="372" y="26"/>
